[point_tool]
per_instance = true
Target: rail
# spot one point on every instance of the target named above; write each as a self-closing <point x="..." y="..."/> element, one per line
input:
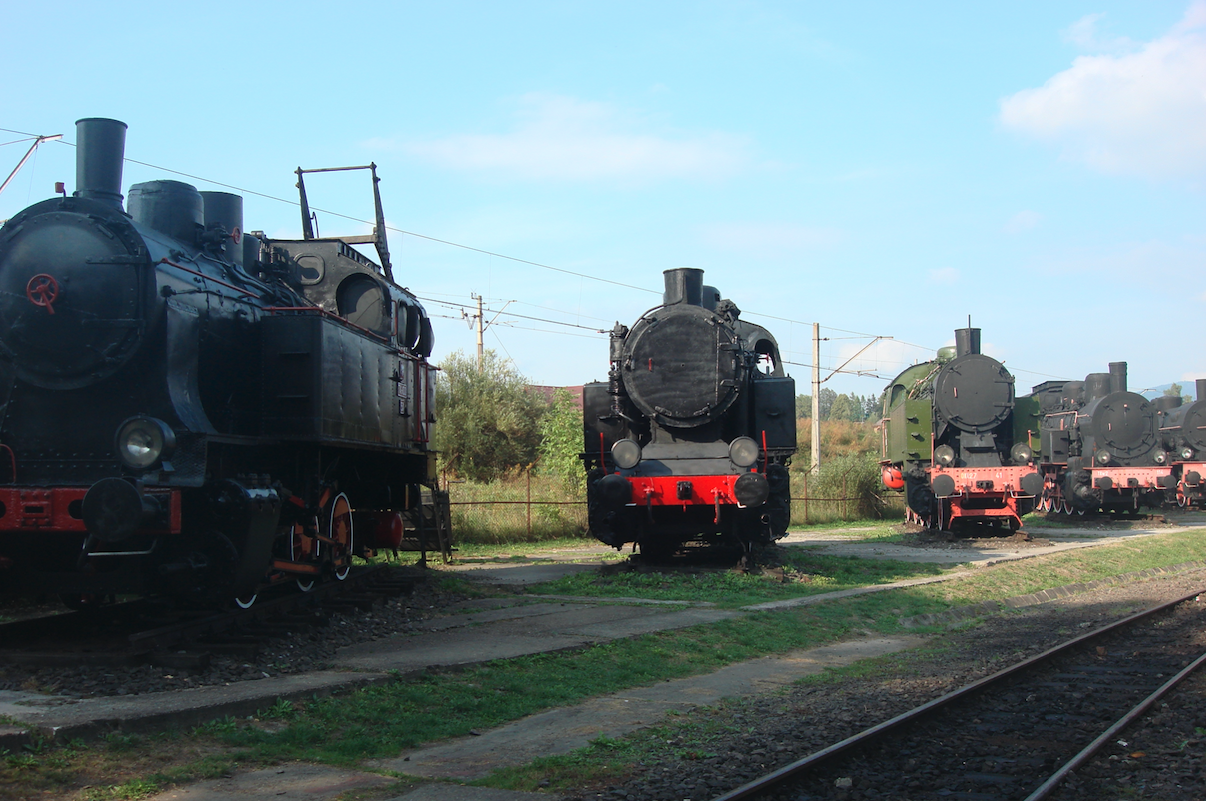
<point x="826" y="756"/>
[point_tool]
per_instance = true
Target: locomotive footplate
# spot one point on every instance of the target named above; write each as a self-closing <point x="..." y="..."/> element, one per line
<point x="983" y="493"/>
<point x="1153" y="478"/>
<point x="60" y="509"/>
<point x="690" y="490"/>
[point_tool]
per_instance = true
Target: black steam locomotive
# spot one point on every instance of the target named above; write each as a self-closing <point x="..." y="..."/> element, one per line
<point x="190" y="410"/>
<point x="690" y="437"/>
<point x="1103" y="447"/>
<point x="1183" y="432"/>
<point x="958" y="442"/>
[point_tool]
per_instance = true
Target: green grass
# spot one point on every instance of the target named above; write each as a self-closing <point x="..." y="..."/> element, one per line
<point x="804" y="572"/>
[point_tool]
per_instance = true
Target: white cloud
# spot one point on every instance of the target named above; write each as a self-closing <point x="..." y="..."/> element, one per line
<point x="1140" y="113"/>
<point x="1022" y="221"/>
<point x="771" y="239"/>
<point x="563" y="138"/>
<point x="944" y="275"/>
<point x="1084" y="34"/>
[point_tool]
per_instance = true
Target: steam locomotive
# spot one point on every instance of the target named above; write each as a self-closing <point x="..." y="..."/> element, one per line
<point x="1183" y="432"/>
<point x="958" y="443"/>
<point x="691" y="436"/>
<point x="1104" y="447"/>
<point x="190" y="410"/>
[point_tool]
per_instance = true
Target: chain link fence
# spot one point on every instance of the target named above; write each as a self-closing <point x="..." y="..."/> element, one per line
<point x="527" y="508"/>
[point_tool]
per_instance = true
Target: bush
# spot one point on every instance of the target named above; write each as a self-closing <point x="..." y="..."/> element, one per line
<point x="561" y="442"/>
<point x="847" y="488"/>
<point x="488" y="422"/>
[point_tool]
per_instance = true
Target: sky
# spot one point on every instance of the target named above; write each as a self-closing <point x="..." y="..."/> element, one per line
<point x="883" y="169"/>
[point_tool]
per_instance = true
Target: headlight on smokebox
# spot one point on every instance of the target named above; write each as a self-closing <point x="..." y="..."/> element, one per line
<point x="143" y="442"/>
<point x="626" y="453"/>
<point x="743" y="452"/>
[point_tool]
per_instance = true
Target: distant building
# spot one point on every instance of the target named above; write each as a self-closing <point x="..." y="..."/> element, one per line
<point x="547" y="392"/>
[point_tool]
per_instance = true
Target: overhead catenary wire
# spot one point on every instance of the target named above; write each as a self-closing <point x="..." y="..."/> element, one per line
<point x="855" y="334"/>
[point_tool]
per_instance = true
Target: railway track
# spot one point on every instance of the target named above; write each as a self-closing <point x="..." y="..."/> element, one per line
<point x="1015" y="734"/>
<point x="142" y="632"/>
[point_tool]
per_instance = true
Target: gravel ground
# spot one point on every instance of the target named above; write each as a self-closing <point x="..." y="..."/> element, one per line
<point x="753" y="737"/>
<point x="308" y="649"/>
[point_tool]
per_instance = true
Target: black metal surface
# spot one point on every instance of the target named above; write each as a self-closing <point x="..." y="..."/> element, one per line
<point x="974" y="393"/>
<point x="250" y="363"/>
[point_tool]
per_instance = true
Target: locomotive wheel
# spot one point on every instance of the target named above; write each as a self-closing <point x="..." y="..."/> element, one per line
<point x="1181" y="501"/>
<point x="304" y="547"/>
<point x="246" y="602"/>
<point x="340" y="531"/>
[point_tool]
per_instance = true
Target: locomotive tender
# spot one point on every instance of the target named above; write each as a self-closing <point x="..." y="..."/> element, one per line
<point x="958" y="442"/>
<point x="189" y="410"/>
<point x="691" y="436"/>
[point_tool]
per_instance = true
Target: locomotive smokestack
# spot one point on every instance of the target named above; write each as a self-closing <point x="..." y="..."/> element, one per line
<point x="683" y="285"/>
<point x="967" y="340"/>
<point x="1200" y="385"/>
<point x="100" y="145"/>
<point x="1118" y="376"/>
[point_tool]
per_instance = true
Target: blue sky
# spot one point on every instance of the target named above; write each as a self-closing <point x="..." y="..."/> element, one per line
<point x="884" y="169"/>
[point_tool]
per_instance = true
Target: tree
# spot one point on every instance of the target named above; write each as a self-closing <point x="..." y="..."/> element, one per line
<point x="488" y="421"/>
<point x="826" y="398"/>
<point x="843" y="409"/>
<point x="561" y="440"/>
<point x="1174" y="390"/>
<point x="803" y="406"/>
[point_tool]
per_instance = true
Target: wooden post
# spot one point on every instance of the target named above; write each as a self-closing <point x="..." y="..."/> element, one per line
<point x="529" y="502"/>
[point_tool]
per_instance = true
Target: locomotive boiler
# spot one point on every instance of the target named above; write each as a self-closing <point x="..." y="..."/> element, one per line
<point x="1103" y="448"/>
<point x="190" y="410"/>
<point x="691" y="436"/>
<point x="957" y="442"/>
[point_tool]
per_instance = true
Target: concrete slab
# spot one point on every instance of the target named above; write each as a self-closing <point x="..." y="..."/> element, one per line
<point x="560" y="731"/>
<point x="86" y="717"/>
<point x="520" y="631"/>
<point x="523" y="573"/>
<point x="293" y="782"/>
<point x="438" y="791"/>
<point x="834" y="543"/>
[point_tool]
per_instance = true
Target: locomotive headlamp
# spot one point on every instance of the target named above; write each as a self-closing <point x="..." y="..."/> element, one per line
<point x="143" y="441"/>
<point x="1103" y="457"/>
<point x="1159" y="456"/>
<point x="743" y="452"/>
<point x="944" y="455"/>
<point x="626" y="453"/>
<point x="1186" y="453"/>
<point x="1021" y="453"/>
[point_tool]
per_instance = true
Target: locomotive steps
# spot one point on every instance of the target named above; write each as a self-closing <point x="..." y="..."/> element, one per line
<point x="491" y="630"/>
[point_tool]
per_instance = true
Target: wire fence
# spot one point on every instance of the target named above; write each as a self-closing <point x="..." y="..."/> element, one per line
<point x="528" y="511"/>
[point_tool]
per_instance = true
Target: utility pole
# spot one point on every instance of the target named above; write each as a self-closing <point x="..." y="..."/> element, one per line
<point x="481" y="329"/>
<point x="816" y="398"/>
<point x="479" y="321"/>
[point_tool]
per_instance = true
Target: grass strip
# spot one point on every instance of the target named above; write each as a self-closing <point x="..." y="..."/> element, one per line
<point x="802" y="572"/>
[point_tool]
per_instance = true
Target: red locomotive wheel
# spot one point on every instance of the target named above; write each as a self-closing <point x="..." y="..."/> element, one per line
<point x="340" y="533"/>
<point x="42" y="290"/>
